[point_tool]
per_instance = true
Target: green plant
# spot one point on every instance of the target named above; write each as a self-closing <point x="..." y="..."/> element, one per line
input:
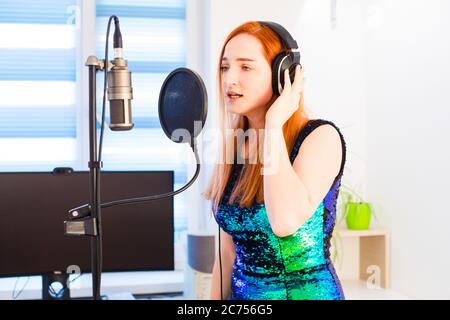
<point x="348" y="202"/>
<point x="348" y="196"/>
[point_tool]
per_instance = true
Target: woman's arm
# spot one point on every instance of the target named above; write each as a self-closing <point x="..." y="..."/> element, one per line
<point x="293" y="192"/>
<point x="228" y="254"/>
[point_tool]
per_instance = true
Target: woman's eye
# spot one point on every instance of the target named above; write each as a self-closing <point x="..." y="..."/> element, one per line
<point x="224" y="68"/>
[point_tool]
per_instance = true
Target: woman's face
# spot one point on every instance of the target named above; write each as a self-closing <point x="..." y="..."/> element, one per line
<point x="246" y="72"/>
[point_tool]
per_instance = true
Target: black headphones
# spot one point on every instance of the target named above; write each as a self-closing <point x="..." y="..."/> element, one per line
<point x="284" y="60"/>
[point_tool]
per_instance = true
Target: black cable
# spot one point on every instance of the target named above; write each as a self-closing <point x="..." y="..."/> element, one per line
<point x="104" y="89"/>
<point x="70" y="281"/>
<point x="118" y="42"/>
<point x="220" y="268"/>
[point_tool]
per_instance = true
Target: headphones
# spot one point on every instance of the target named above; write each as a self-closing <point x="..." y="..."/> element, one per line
<point x="284" y="60"/>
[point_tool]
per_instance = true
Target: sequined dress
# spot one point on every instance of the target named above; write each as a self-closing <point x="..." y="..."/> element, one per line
<point x="298" y="266"/>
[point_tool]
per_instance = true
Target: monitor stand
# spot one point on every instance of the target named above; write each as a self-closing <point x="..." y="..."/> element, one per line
<point x="54" y="286"/>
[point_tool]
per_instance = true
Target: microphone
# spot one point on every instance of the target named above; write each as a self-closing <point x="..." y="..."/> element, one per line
<point x="120" y="91"/>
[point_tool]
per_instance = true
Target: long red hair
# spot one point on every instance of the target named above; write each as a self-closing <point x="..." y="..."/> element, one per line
<point x="249" y="186"/>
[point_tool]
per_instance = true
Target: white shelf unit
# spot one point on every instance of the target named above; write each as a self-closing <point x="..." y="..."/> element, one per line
<point x="363" y="255"/>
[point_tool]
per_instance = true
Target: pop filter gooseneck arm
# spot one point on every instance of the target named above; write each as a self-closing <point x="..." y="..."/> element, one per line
<point x="85" y="210"/>
<point x="156" y="197"/>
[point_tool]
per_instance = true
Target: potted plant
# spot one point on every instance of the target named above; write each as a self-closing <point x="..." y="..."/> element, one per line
<point x="355" y="210"/>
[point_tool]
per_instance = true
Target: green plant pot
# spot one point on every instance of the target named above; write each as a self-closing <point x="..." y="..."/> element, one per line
<point x="358" y="215"/>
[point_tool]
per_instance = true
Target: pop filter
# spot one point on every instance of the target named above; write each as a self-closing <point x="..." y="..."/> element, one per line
<point x="183" y="105"/>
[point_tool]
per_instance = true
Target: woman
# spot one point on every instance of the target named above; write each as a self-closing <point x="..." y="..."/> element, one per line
<point x="276" y="216"/>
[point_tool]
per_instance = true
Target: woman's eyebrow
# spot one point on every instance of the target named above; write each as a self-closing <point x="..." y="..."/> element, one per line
<point x="238" y="59"/>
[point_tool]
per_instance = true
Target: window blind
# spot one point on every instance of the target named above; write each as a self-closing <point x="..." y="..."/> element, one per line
<point x="37" y="85"/>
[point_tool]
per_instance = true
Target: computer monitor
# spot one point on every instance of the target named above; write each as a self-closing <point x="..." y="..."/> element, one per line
<point x="34" y="205"/>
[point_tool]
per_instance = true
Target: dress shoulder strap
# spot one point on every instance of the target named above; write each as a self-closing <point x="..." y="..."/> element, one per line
<point x="307" y="129"/>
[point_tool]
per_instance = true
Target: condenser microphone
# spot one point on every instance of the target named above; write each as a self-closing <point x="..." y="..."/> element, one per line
<point x="120" y="91"/>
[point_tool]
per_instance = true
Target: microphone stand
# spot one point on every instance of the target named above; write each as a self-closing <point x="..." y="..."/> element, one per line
<point x="93" y="225"/>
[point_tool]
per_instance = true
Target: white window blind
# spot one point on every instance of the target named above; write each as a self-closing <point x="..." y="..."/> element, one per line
<point x="153" y="33"/>
<point x="37" y="85"/>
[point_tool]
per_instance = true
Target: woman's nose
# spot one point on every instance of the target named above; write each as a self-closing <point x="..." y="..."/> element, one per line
<point x="230" y="78"/>
<point x="231" y="83"/>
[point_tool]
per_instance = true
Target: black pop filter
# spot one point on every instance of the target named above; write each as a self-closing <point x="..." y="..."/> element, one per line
<point x="183" y="105"/>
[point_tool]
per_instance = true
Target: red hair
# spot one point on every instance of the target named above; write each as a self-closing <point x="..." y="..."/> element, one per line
<point x="249" y="186"/>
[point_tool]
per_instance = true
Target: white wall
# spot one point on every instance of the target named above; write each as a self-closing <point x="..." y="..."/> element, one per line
<point x="381" y="75"/>
<point x="408" y="81"/>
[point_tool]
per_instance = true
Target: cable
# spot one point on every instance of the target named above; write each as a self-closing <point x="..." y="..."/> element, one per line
<point x="141" y="199"/>
<point x="76" y="278"/>
<point x="15" y="296"/>
<point x="220" y="267"/>
<point x="104" y="89"/>
<point x="70" y="281"/>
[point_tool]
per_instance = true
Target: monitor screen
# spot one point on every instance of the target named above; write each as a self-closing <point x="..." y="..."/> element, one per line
<point x="34" y="206"/>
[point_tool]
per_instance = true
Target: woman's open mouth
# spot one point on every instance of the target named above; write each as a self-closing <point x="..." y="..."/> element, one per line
<point x="234" y="97"/>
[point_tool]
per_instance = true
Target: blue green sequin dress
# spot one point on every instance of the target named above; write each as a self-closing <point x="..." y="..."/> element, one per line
<point x="298" y="266"/>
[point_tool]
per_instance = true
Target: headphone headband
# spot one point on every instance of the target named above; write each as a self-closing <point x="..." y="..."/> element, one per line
<point x="285" y="60"/>
<point x="286" y="38"/>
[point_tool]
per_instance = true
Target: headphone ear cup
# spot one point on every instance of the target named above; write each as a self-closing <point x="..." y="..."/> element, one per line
<point x="278" y="72"/>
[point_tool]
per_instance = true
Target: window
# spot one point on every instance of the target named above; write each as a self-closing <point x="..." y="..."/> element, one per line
<point x="37" y="85"/>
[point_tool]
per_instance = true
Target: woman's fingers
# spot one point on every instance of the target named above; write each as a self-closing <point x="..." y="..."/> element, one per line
<point x="287" y="79"/>
<point x="298" y="80"/>
<point x="297" y="85"/>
